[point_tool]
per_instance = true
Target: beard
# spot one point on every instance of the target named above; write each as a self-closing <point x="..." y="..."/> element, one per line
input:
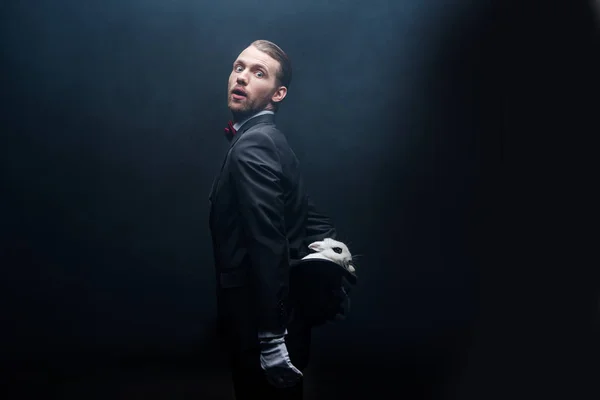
<point x="246" y="108"/>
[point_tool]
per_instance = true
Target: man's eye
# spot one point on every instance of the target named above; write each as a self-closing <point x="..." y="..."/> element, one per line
<point x="238" y="68"/>
<point x="260" y="74"/>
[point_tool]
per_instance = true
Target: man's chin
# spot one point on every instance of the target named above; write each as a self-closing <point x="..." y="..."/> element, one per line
<point x="236" y="107"/>
<point x="240" y="111"/>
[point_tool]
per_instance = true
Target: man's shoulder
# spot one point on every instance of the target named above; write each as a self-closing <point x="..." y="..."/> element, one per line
<point x="263" y="133"/>
<point x="263" y="128"/>
<point x="259" y="138"/>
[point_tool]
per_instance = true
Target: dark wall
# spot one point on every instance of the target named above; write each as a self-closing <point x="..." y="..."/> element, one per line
<point x="112" y="125"/>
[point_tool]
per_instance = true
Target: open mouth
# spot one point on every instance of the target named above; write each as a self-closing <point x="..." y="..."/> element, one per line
<point x="238" y="93"/>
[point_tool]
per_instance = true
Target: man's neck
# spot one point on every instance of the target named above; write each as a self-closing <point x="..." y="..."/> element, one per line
<point x="240" y="120"/>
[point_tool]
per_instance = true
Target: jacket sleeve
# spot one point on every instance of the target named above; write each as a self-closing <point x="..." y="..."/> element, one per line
<point x="257" y="175"/>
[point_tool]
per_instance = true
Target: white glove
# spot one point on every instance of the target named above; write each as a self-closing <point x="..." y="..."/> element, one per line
<point x="275" y="361"/>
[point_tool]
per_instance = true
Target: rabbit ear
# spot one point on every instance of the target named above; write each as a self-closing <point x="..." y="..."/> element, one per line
<point x="316" y="246"/>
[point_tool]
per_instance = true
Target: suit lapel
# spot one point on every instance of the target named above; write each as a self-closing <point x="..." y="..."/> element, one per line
<point x="266" y="118"/>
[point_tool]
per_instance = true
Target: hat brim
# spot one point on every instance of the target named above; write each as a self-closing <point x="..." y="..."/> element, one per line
<point x="323" y="269"/>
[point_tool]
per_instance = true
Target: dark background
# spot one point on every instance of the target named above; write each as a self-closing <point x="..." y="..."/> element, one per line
<point x="112" y="121"/>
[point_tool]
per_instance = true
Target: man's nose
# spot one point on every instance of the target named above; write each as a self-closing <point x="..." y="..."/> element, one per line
<point x="242" y="78"/>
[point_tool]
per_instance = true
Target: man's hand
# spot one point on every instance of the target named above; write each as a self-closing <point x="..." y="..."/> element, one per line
<point x="342" y="302"/>
<point x="275" y="361"/>
<point x="338" y="306"/>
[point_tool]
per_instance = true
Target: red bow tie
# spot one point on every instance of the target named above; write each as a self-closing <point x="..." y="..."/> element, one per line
<point x="230" y="130"/>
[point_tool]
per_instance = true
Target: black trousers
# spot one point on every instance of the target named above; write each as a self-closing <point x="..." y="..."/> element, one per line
<point x="240" y="338"/>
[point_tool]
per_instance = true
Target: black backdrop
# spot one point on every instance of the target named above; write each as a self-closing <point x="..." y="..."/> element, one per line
<point x="113" y="115"/>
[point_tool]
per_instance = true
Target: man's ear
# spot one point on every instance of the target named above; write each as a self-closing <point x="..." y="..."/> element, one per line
<point x="279" y="94"/>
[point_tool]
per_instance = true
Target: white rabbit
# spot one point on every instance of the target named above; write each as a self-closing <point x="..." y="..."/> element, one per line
<point x="333" y="250"/>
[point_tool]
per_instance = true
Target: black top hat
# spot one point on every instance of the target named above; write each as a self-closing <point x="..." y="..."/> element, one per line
<point x="318" y="289"/>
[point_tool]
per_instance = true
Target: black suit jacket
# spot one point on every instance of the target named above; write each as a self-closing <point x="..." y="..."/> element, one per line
<point x="261" y="219"/>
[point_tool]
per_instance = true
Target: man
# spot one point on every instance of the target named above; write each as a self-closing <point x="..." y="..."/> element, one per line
<point x="261" y="220"/>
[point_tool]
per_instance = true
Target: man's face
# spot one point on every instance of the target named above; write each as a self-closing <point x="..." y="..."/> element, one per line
<point x="253" y="84"/>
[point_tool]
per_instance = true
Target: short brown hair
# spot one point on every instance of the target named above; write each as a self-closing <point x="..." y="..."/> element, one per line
<point x="284" y="73"/>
